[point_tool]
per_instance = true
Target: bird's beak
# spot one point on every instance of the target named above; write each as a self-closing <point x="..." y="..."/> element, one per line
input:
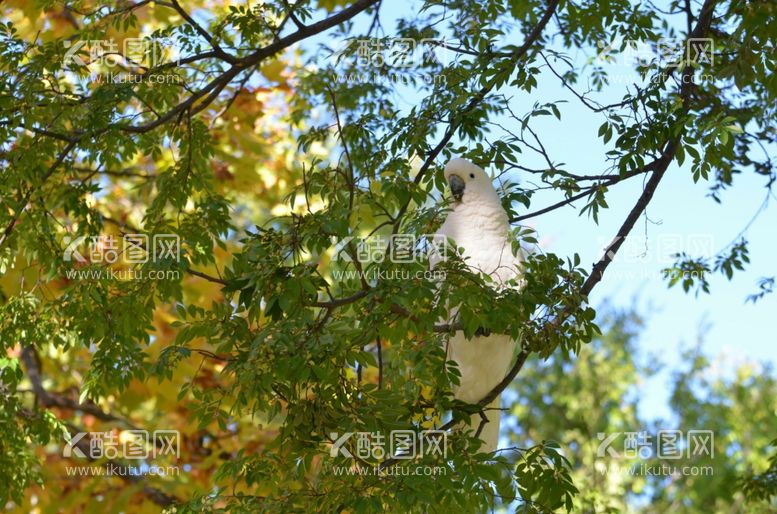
<point x="457" y="186"/>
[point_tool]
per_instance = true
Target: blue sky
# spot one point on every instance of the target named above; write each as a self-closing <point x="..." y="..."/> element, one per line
<point x="681" y="217"/>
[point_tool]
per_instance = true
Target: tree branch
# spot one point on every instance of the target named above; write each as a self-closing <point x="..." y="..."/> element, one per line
<point x="474" y="102"/>
<point x="608" y="182"/>
<point x="201" y="31"/>
<point x="23" y="203"/>
<point x="599" y="268"/>
<point x="47" y="399"/>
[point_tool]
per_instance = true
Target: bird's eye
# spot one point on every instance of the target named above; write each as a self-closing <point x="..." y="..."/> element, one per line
<point x="471" y="175"/>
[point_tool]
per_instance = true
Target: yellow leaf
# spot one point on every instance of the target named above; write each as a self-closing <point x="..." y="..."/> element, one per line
<point x="330" y="5"/>
<point x="273" y="70"/>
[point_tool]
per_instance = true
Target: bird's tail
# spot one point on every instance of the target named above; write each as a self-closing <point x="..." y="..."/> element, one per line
<point x="489" y="434"/>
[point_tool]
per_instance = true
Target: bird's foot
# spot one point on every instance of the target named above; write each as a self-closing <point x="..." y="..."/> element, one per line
<point x="482" y="332"/>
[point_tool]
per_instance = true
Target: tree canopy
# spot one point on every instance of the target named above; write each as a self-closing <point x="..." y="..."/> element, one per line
<point x="214" y="222"/>
<point x="573" y="401"/>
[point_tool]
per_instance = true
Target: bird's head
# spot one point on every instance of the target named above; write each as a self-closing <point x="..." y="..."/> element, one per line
<point x="468" y="182"/>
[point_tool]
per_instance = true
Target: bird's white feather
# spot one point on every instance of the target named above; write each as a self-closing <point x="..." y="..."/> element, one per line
<point x="479" y="225"/>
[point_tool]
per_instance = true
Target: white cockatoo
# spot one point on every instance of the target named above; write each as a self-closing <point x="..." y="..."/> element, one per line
<point x="479" y="225"/>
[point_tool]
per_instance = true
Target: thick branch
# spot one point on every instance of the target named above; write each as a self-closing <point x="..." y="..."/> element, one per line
<point x="209" y="93"/>
<point x="661" y="165"/>
<point x="48" y="399"/>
